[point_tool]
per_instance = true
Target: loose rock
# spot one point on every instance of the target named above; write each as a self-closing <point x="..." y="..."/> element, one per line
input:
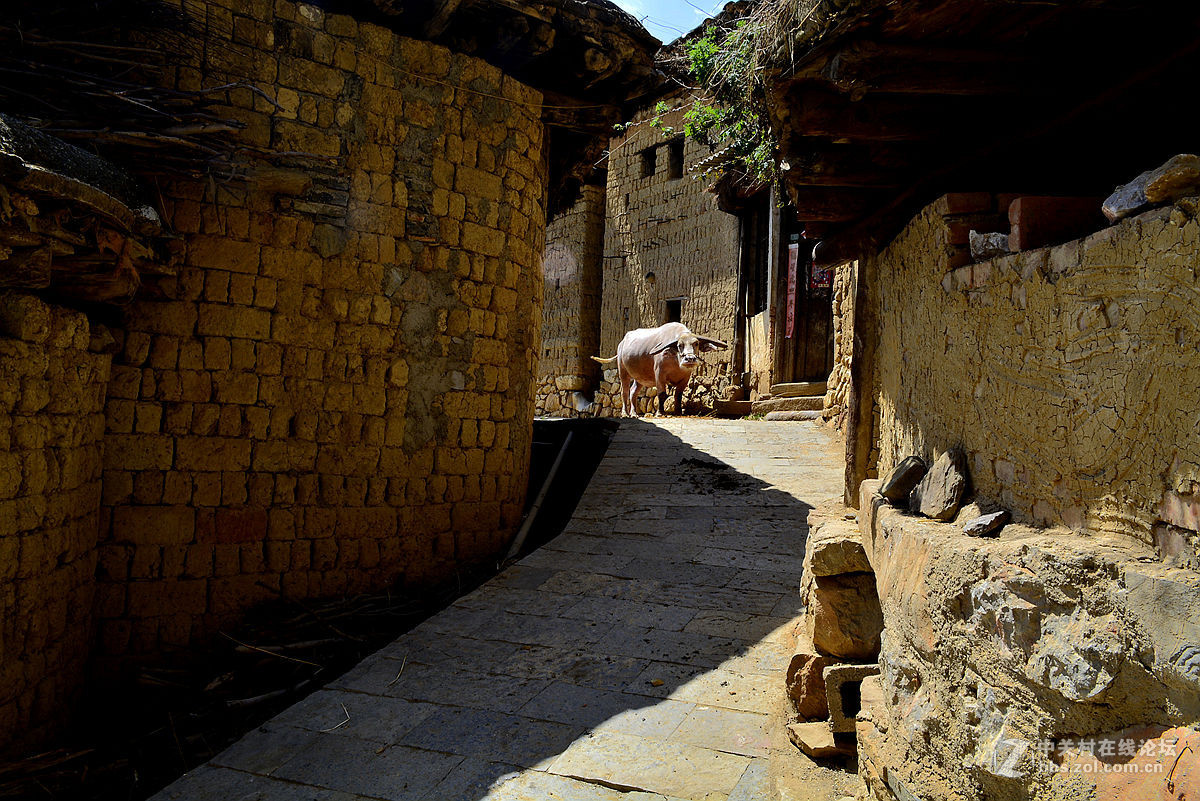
<point x="806" y="685"/>
<point x="904" y="476"/>
<point x="1178" y="177"/>
<point x="836" y="548"/>
<point x="1128" y="199"/>
<point x="941" y="492"/>
<point x="816" y="740"/>
<point x="987" y="525"/>
<point x="845" y="617"/>
<point x="987" y="246"/>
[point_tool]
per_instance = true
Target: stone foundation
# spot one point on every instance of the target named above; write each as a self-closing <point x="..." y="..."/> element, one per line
<point x="1000" y="656"/>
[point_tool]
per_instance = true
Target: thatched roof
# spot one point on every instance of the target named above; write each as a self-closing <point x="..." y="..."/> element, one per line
<point x="881" y="106"/>
<point x="33" y="161"/>
<point x="70" y="222"/>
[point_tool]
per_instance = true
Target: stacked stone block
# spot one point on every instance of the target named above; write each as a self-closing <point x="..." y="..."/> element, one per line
<point x="568" y="378"/>
<point x="335" y="391"/>
<point x="672" y="228"/>
<point x="837" y="392"/>
<point x="51" y="422"/>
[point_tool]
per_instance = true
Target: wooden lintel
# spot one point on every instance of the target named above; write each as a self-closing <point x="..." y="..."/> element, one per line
<point x="831" y="204"/>
<point x="815" y="110"/>
<point x="864" y="67"/>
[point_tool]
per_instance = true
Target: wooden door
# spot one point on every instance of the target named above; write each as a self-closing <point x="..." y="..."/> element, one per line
<point x="806" y="355"/>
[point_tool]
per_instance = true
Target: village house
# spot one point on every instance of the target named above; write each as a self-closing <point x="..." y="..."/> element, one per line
<point x="1037" y="355"/>
<point x="280" y="345"/>
<point x="670" y="231"/>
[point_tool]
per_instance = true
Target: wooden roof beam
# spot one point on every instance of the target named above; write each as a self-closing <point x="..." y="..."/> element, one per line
<point x="865" y="66"/>
<point x="816" y="161"/>
<point x="815" y="110"/>
<point x="832" y="204"/>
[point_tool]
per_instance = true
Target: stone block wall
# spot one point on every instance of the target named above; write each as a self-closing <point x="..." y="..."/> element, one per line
<point x="335" y="392"/>
<point x="51" y="423"/>
<point x="1066" y="373"/>
<point x="1037" y="665"/>
<point x="669" y="227"/>
<point x="568" y="377"/>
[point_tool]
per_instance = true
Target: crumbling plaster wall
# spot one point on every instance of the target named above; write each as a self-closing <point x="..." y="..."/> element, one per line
<point x="670" y="227"/>
<point x="568" y="377"/>
<point x="51" y="423"/>
<point x="335" y="392"/>
<point x="1067" y="373"/>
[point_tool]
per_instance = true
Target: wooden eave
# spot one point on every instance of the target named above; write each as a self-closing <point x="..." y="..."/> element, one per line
<point x="906" y="101"/>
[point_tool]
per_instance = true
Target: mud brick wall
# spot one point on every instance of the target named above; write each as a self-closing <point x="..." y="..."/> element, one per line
<point x="1067" y="373"/>
<point x="335" y="392"/>
<point x="567" y="376"/>
<point x="51" y="422"/>
<point x="670" y="227"/>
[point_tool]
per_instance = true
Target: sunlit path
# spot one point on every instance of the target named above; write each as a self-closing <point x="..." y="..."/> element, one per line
<point x="638" y="655"/>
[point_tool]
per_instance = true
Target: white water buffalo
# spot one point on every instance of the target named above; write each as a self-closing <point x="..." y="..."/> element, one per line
<point x="660" y="357"/>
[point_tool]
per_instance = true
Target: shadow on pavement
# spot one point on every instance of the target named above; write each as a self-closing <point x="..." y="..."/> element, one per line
<point x="639" y="650"/>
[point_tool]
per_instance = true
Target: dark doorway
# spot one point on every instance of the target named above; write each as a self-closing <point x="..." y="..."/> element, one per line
<point x="807" y="354"/>
<point x="674" y="311"/>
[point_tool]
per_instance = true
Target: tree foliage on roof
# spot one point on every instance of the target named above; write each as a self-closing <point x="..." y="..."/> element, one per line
<point x="718" y="64"/>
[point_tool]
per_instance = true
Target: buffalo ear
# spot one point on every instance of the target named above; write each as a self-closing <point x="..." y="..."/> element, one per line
<point x="664" y="346"/>
<point x="707" y="344"/>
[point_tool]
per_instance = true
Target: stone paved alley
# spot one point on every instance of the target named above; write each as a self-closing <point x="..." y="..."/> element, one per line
<point x="642" y="650"/>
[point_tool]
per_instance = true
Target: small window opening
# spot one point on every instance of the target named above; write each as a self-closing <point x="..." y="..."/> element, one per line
<point x="674" y="310"/>
<point x="649" y="161"/>
<point x="675" y="159"/>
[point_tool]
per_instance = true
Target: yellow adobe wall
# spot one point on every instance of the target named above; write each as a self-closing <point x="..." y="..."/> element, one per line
<point x="1068" y="374"/>
<point x="51" y="422"/>
<point x="571" y="311"/>
<point x="335" y="392"/>
<point x="672" y="228"/>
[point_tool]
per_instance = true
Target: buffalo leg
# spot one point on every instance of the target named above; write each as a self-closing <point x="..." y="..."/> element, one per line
<point x="632" y="392"/>
<point x="679" y="399"/>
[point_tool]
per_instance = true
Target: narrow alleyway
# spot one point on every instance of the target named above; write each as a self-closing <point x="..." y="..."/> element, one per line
<point x="642" y="650"/>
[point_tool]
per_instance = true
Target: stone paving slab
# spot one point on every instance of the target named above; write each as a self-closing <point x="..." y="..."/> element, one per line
<point x="637" y="657"/>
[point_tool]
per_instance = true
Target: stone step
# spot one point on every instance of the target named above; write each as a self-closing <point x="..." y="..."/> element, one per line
<point x="798" y="389"/>
<point x="817" y="740"/>
<point x="732" y="408"/>
<point x="810" y="403"/>
<point x="786" y="416"/>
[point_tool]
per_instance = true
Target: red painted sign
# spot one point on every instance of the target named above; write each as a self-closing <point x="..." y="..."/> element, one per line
<point x="793" y="268"/>
<point x="820" y="279"/>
